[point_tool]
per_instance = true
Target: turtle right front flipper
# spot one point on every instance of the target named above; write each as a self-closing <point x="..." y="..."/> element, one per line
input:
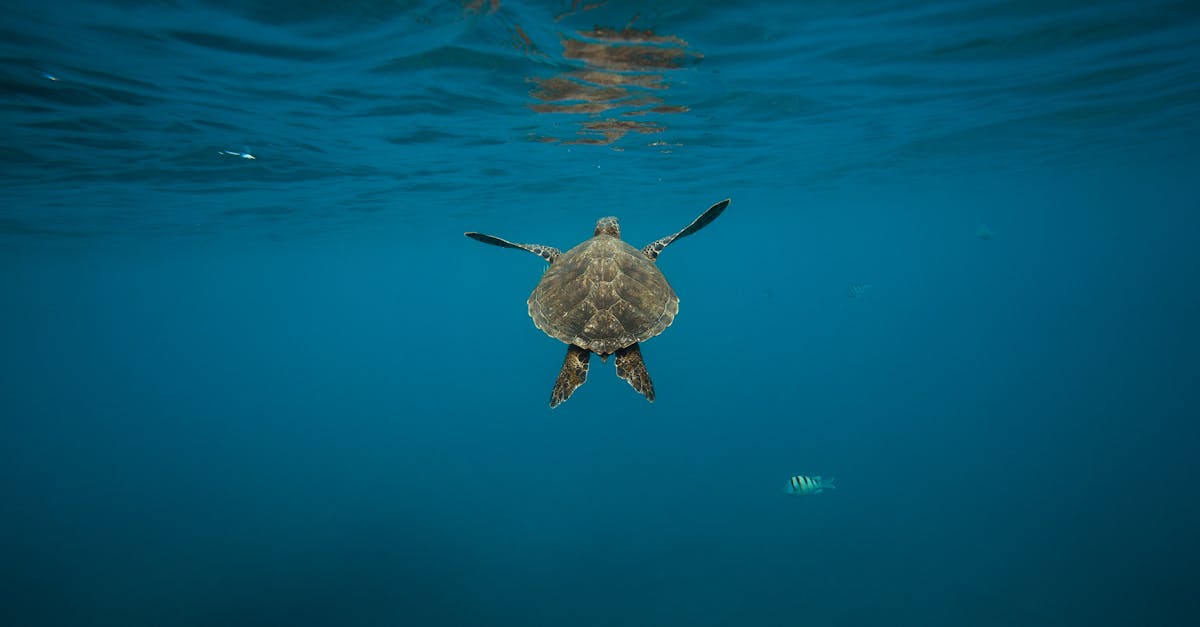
<point x="549" y="253"/>
<point x="653" y="249"/>
<point x="573" y="374"/>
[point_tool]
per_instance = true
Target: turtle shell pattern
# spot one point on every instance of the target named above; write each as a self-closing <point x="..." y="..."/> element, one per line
<point x="603" y="295"/>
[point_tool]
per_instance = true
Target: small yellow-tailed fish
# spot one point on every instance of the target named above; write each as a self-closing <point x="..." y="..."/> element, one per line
<point x="801" y="485"/>
<point x="857" y="290"/>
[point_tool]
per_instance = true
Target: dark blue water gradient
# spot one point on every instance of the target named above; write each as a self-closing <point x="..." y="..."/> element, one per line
<point x="286" y="390"/>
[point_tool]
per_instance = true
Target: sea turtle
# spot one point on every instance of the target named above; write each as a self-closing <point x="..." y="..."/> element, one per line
<point x="603" y="296"/>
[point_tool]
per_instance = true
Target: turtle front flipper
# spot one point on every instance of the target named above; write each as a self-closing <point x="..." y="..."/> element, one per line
<point x="632" y="368"/>
<point x="573" y="374"/>
<point x="549" y="253"/>
<point x="653" y="249"/>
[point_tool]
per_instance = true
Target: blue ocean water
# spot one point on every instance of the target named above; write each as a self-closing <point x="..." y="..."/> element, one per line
<point x="251" y="372"/>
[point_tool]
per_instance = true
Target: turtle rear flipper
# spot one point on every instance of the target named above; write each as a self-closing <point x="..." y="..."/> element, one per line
<point x="653" y="249"/>
<point x="573" y="374"/>
<point x="632" y="368"/>
<point x="549" y="253"/>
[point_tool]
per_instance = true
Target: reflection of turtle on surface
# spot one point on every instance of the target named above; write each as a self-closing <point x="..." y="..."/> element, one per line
<point x="603" y="296"/>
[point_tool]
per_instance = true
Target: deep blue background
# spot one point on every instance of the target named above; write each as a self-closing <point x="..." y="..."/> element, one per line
<point x="287" y="391"/>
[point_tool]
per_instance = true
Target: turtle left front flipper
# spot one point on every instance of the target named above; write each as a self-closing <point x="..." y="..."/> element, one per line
<point x="573" y="374"/>
<point x="632" y="368"/>
<point x="549" y="253"/>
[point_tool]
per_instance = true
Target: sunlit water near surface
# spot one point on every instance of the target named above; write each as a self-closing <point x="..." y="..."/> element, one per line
<point x="251" y="372"/>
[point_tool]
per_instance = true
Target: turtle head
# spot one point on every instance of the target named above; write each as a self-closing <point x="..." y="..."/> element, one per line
<point x="608" y="226"/>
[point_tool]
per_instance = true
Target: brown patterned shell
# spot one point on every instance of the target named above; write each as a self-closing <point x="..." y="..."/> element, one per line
<point x="603" y="295"/>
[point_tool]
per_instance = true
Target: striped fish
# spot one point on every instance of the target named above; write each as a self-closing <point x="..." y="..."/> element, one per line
<point x="803" y="486"/>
